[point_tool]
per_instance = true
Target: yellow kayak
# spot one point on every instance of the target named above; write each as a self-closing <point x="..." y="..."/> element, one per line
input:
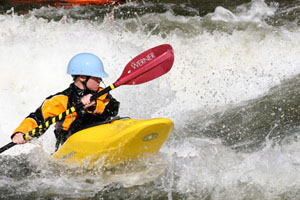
<point x="115" y="142"/>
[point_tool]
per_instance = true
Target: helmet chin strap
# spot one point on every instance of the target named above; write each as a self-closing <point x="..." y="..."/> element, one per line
<point x="85" y="82"/>
<point x="86" y="87"/>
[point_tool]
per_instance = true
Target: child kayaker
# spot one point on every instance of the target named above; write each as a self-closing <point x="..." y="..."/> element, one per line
<point x="87" y="72"/>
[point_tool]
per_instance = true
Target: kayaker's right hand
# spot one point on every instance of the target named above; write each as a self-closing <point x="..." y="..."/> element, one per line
<point x="85" y="100"/>
<point x="18" y="138"/>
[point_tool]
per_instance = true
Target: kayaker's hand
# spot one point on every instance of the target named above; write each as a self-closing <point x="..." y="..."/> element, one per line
<point x="86" y="101"/>
<point x="18" y="138"/>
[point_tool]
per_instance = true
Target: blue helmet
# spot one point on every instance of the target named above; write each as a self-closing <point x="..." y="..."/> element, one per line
<point x="86" y="64"/>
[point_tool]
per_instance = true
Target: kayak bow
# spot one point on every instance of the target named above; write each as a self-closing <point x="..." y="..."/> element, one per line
<point x="119" y="141"/>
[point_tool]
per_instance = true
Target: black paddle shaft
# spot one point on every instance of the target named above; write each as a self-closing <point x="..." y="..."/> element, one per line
<point x="9" y="145"/>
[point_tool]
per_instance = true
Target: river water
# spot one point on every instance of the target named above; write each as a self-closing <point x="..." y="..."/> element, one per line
<point x="233" y="94"/>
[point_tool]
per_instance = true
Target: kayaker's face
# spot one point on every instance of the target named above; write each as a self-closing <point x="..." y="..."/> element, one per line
<point x="93" y="84"/>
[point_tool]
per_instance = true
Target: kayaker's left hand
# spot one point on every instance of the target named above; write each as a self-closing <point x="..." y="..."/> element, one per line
<point x="18" y="138"/>
<point x="85" y="100"/>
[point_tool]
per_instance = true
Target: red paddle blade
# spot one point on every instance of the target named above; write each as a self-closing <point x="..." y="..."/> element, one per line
<point x="147" y="66"/>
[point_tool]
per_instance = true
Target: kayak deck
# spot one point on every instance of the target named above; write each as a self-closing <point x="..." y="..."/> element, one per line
<point x="118" y="141"/>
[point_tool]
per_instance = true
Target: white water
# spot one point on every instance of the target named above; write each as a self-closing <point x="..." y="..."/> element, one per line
<point x="211" y="70"/>
<point x="206" y="167"/>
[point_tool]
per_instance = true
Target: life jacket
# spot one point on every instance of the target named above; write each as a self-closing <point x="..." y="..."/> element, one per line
<point x="106" y="106"/>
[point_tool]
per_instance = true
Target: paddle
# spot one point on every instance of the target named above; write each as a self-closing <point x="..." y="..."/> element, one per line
<point x="145" y="67"/>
